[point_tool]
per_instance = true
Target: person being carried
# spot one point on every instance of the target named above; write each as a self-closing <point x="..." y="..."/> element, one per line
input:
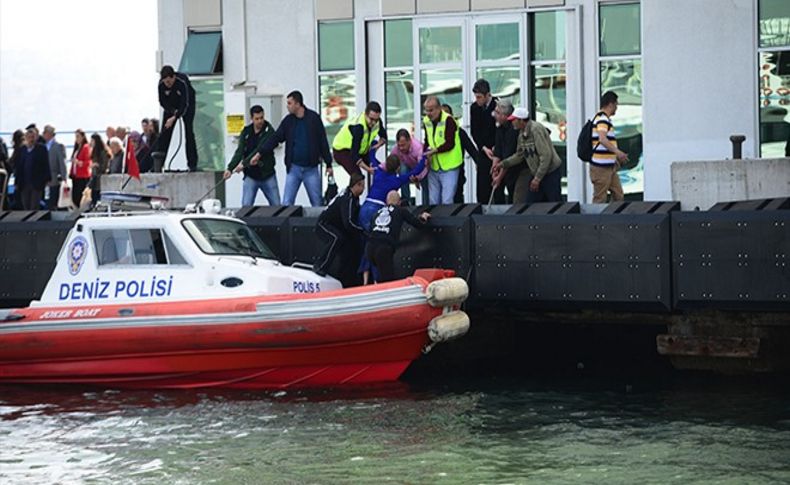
<point x="258" y="173"/>
<point x="385" y="234"/>
<point x="338" y="228"/>
<point x="385" y="179"/>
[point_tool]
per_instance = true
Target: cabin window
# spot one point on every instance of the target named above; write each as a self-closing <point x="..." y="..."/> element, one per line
<point x="134" y="247"/>
<point x="219" y="236"/>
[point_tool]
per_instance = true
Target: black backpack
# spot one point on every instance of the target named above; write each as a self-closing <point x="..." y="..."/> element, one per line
<point x="584" y="144"/>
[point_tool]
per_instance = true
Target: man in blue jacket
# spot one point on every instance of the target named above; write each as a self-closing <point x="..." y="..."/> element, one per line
<point x="305" y="143"/>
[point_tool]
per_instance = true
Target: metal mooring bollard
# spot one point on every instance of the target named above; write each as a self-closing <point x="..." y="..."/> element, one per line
<point x="737" y="142"/>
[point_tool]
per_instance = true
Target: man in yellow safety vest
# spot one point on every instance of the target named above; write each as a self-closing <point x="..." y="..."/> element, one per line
<point x="443" y="151"/>
<point x="355" y="140"/>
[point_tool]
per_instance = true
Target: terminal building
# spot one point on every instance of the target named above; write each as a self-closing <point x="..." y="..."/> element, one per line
<point x="689" y="74"/>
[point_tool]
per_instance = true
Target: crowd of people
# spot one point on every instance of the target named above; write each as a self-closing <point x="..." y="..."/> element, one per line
<point x="42" y="167"/>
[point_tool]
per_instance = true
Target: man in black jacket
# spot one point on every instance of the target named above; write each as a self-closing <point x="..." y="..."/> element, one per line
<point x="32" y="171"/>
<point x="261" y="174"/>
<point x="177" y="98"/>
<point x="305" y="142"/>
<point x="385" y="234"/>
<point x="338" y="228"/>
<point x="483" y="128"/>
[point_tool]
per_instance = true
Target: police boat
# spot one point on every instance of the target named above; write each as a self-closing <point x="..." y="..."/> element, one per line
<point x="195" y="299"/>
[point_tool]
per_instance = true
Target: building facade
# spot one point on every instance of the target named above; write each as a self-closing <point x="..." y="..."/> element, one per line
<point x="689" y="73"/>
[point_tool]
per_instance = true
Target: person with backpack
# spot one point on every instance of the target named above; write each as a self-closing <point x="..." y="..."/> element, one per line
<point x="540" y="180"/>
<point x="597" y="145"/>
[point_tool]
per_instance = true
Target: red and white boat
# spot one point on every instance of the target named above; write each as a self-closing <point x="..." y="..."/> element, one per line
<point x="176" y="300"/>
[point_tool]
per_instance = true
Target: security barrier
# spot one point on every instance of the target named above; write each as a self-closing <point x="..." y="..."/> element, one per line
<point x="637" y="256"/>
<point x="561" y="259"/>
<point x="735" y="256"/>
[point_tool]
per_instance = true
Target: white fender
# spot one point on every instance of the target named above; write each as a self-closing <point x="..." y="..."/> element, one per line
<point x="447" y="292"/>
<point x="448" y="326"/>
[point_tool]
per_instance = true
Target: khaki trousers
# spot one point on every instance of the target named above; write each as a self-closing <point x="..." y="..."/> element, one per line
<point x="605" y="180"/>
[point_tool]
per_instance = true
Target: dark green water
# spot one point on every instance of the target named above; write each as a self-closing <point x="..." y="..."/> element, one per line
<point x="568" y="430"/>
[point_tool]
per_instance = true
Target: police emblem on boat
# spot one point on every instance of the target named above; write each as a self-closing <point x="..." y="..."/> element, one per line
<point x="78" y="250"/>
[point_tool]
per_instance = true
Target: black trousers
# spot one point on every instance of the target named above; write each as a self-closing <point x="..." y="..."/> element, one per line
<point x="77" y="187"/>
<point x="333" y="240"/>
<point x="163" y="142"/>
<point x="549" y="191"/>
<point x="382" y="255"/>
<point x="30" y="198"/>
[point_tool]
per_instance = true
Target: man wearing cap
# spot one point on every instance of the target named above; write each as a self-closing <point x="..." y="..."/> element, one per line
<point x="541" y="182"/>
<point x="177" y="99"/>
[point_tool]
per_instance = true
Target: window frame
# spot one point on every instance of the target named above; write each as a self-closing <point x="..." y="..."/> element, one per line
<point x="164" y="237"/>
<point x="217" y="65"/>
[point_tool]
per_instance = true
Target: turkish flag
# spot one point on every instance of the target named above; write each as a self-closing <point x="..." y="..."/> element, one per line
<point x="132" y="167"/>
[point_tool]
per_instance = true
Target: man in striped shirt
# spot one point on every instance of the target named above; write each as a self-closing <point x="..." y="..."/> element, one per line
<point x="607" y="158"/>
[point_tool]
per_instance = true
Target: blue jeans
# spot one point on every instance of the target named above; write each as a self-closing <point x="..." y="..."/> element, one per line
<point x="268" y="186"/>
<point x="441" y="186"/>
<point x="310" y="176"/>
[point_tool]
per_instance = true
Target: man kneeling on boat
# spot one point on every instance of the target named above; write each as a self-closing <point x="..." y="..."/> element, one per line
<point x="338" y="228"/>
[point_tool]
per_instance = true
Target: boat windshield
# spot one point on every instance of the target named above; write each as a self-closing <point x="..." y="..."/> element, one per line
<point x="218" y="236"/>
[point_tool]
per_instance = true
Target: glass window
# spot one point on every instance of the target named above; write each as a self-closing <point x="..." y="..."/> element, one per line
<point x="220" y="236"/>
<point x="173" y="254"/>
<point x="548" y="43"/>
<point x="148" y="246"/>
<point x="440" y="44"/>
<point x="505" y="82"/>
<point x="209" y="122"/>
<point x="202" y="54"/>
<point x="497" y="42"/>
<point x="338" y="100"/>
<point x="135" y="246"/>
<point x="620" y="30"/>
<point x="398" y="43"/>
<point x="399" y="101"/>
<point x="447" y="85"/>
<point x="625" y="79"/>
<point x="774" y="103"/>
<point x="550" y="101"/>
<point x="113" y="247"/>
<point x="335" y="46"/>
<point x="774" y="23"/>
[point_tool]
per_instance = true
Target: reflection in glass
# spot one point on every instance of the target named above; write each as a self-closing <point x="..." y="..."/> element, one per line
<point x="399" y="100"/>
<point x="551" y="108"/>
<point x="497" y="42"/>
<point x="440" y="44"/>
<point x="625" y="79"/>
<point x="548" y="43"/>
<point x="620" y="30"/>
<point x="209" y="120"/>
<point x="447" y="84"/>
<point x="397" y="43"/>
<point x="774" y="23"/>
<point x="505" y="82"/>
<point x="338" y="99"/>
<point x="335" y="45"/>
<point x="774" y="103"/>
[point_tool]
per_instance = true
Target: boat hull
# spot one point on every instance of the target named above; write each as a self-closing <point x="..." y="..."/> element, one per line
<point x="347" y="337"/>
